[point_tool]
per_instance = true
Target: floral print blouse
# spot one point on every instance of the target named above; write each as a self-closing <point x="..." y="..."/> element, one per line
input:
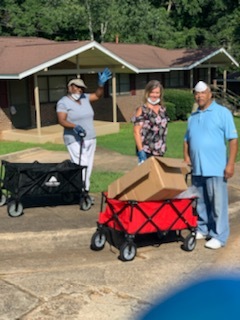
<point x="154" y="130"/>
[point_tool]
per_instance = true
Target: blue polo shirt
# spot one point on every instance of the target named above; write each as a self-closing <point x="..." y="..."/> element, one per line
<point x="207" y="133"/>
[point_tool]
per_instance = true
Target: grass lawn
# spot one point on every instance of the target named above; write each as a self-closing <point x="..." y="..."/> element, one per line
<point x="122" y="142"/>
<point x="14" y="146"/>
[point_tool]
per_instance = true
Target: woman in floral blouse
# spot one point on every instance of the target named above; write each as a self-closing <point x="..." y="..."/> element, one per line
<point x="150" y="123"/>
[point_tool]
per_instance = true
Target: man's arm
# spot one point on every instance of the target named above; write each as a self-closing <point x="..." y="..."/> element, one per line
<point x="186" y="153"/>
<point x="233" y="149"/>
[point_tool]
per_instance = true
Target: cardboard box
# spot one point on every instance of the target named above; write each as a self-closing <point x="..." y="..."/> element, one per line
<point x="155" y="179"/>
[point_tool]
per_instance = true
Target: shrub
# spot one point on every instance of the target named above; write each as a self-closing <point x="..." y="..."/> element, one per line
<point x="183" y="101"/>
<point x="171" y="110"/>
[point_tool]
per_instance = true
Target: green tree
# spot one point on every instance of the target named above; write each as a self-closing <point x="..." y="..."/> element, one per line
<point x="226" y="33"/>
<point x="139" y="22"/>
<point x="169" y="24"/>
<point x="55" y="19"/>
<point x="99" y="16"/>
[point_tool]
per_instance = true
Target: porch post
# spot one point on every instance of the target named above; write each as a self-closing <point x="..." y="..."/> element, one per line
<point x="114" y="97"/>
<point x="37" y="105"/>
<point x="191" y="79"/>
<point x="78" y="69"/>
<point x="209" y="75"/>
<point x="225" y="81"/>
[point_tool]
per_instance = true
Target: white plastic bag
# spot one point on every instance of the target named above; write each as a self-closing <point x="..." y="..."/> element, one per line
<point x="191" y="192"/>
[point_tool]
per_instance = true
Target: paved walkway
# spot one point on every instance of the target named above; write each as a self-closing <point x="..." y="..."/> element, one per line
<point x="52" y="218"/>
<point x="47" y="270"/>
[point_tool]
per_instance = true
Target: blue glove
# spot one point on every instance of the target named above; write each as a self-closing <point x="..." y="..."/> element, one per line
<point x="79" y="131"/>
<point x="141" y="156"/>
<point x="104" y="77"/>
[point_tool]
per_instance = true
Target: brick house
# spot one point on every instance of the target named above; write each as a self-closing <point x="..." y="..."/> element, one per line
<point x="34" y="73"/>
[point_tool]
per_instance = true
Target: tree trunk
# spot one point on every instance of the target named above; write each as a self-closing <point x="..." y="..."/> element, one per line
<point x="89" y="21"/>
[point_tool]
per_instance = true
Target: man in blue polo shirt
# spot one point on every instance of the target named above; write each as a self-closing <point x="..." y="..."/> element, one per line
<point x="209" y="127"/>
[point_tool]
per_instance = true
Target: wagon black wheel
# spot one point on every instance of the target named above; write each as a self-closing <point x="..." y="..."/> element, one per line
<point x="14" y="208"/>
<point x="98" y="241"/>
<point x="189" y="243"/>
<point x="3" y="199"/>
<point x="128" y="251"/>
<point x="86" y="203"/>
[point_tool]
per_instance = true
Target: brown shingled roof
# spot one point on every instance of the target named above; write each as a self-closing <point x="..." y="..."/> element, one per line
<point x="22" y="56"/>
<point x="140" y="55"/>
<point x="187" y="57"/>
<point x="150" y="57"/>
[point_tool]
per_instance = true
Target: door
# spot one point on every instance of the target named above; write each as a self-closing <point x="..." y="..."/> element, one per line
<point x="19" y="104"/>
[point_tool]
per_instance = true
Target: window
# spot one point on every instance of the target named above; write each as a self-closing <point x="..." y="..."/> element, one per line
<point x="57" y="87"/>
<point x="174" y="79"/>
<point x="122" y="84"/>
<point x="43" y="89"/>
<point x="52" y="88"/>
<point x="203" y="74"/>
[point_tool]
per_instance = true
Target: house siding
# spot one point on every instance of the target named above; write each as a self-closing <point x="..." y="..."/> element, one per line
<point x="5" y="122"/>
<point x="103" y="109"/>
<point x="5" y="118"/>
<point x="47" y="112"/>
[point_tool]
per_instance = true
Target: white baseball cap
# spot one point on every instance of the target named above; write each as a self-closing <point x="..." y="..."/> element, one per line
<point x="200" y="86"/>
<point x="77" y="82"/>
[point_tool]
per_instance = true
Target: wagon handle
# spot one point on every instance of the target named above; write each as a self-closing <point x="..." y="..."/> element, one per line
<point x="80" y="151"/>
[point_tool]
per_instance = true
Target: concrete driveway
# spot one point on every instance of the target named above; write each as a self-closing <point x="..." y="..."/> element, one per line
<point x="47" y="270"/>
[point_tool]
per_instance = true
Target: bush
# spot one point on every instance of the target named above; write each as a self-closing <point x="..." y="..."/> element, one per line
<point x="171" y="111"/>
<point x="183" y="101"/>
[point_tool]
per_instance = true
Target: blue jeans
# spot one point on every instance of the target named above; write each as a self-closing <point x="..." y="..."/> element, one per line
<point x="212" y="207"/>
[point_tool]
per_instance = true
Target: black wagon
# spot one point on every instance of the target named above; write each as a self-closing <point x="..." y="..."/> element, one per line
<point x="65" y="179"/>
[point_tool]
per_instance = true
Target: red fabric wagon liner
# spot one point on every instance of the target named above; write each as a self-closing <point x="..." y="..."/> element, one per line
<point x="135" y="217"/>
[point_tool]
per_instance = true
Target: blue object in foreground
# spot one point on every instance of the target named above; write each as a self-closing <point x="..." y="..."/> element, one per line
<point x="214" y="298"/>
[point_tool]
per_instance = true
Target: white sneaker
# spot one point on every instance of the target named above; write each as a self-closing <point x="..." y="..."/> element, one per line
<point x="213" y="244"/>
<point x="200" y="236"/>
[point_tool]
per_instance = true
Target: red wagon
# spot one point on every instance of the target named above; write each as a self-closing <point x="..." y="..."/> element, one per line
<point x="128" y="219"/>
